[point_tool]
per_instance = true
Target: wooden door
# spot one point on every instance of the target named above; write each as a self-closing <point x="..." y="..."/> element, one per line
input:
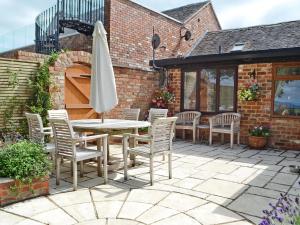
<point x="77" y="92"/>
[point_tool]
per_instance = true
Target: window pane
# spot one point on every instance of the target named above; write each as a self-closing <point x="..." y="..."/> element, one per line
<point x="286" y="98"/>
<point x="226" y="89"/>
<point x="190" y="90"/>
<point x="208" y="90"/>
<point x="283" y="71"/>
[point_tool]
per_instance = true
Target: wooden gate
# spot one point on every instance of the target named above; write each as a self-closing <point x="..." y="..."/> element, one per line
<point x="77" y="92"/>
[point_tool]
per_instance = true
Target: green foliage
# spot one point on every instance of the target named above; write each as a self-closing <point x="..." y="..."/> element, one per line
<point x="24" y="161"/>
<point x="41" y="99"/>
<point x="260" y="131"/>
<point x="11" y="104"/>
<point x="298" y="220"/>
<point x="250" y="93"/>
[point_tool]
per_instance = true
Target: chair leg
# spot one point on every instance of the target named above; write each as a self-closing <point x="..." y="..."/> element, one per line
<point x="71" y="168"/>
<point x="81" y="168"/>
<point x="210" y="138"/>
<point x="194" y="136"/>
<point x="58" y="160"/>
<point x="238" y="138"/>
<point x="151" y="170"/>
<point x="231" y="140"/>
<point x="170" y="165"/>
<point x="105" y="159"/>
<point x="183" y="134"/>
<point x="74" y="175"/>
<point x="99" y="165"/>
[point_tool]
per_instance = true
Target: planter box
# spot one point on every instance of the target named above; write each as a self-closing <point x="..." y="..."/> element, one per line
<point x="9" y="194"/>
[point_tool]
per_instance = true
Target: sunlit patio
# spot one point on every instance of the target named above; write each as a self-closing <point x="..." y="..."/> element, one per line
<point x="210" y="185"/>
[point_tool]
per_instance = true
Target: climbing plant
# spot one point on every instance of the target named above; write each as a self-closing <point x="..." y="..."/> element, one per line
<point x="40" y="102"/>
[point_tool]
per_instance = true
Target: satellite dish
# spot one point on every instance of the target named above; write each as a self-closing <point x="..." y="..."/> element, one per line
<point x="187" y="36"/>
<point x="155" y="41"/>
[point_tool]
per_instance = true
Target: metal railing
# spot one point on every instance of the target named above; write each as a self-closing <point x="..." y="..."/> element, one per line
<point x="79" y="15"/>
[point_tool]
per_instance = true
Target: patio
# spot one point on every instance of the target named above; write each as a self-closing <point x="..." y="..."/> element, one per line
<point x="210" y="185"/>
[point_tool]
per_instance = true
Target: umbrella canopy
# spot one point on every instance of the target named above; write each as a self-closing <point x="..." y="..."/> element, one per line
<point x="103" y="95"/>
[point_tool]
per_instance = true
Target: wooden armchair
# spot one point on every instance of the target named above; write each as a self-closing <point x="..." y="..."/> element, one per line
<point x="66" y="146"/>
<point x="157" y="113"/>
<point x="188" y="120"/>
<point x="160" y="143"/>
<point x="225" y="123"/>
<point x="37" y="132"/>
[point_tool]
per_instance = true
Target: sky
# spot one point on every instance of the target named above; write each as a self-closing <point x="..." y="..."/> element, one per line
<point x="17" y="14"/>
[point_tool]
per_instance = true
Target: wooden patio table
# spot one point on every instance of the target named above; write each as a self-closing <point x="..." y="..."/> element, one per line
<point x="110" y="126"/>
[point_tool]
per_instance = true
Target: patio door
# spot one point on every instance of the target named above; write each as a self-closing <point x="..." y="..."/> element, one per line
<point x="77" y="92"/>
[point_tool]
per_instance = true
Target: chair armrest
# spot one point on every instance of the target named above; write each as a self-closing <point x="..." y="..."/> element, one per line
<point x="196" y="121"/>
<point x="90" y="138"/>
<point x="138" y="137"/>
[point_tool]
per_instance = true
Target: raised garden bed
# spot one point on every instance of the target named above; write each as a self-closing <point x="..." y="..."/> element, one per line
<point x="12" y="191"/>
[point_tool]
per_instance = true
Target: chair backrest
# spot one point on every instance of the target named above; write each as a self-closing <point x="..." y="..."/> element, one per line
<point x="58" y="114"/>
<point x="224" y="119"/>
<point x="35" y="126"/>
<point x="227" y="118"/>
<point x="63" y="137"/>
<point x="157" y="113"/>
<point x="187" y="117"/>
<point x="162" y="132"/>
<point x="131" y="114"/>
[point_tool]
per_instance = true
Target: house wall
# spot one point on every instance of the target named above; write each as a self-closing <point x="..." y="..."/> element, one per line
<point x="131" y="29"/>
<point x="254" y="113"/>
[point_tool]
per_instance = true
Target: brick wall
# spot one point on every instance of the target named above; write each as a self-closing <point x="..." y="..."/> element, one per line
<point x="38" y="187"/>
<point x="135" y="87"/>
<point x="131" y="29"/>
<point x="254" y="112"/>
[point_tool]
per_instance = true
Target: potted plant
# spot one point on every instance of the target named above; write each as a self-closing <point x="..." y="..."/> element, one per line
<point x="258" y="137"/>
<point x="24" y="170"/>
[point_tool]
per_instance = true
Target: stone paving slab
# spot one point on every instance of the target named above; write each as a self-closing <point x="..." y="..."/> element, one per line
<point x="211" y="185"/>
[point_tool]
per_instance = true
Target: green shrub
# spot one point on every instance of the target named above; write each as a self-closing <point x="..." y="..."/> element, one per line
<point x="24" y="161"/>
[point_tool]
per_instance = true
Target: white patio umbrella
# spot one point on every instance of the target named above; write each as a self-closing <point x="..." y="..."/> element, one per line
<point x="103" y="95"/>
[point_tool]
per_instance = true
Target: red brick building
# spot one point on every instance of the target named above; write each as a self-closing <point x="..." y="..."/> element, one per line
<point x="225" y="62"/>
<point x="130" y="29"/>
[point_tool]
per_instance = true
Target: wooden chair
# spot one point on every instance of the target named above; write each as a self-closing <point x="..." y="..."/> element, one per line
<point x="225" y="123"/>
<point x="160" y="143"/>
<point x="58" y="114"/>
<point x="37" y="132"/>
<point x="157" y="113"/>
<point x="129" y="114"/>
<point x="188" y="121"/>
<point x="65" y="142"/>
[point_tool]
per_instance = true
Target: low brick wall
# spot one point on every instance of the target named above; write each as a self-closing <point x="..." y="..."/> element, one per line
<point x="9" y="194"/>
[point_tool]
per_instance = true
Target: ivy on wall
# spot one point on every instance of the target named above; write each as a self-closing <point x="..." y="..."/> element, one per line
<point x="40" y="102"/>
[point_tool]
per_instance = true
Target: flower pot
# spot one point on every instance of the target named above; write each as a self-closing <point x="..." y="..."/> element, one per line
<point x="255" y="142"/>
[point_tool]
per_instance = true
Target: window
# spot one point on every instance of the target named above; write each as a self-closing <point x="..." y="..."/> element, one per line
<point x="189" y="93"/>
<point x="238" y="47"/>
<point x="286" y="89"/>
<point x="227" y="90"/>
<point x="209" y="90"/>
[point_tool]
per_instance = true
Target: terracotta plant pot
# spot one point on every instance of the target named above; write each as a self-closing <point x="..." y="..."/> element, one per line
<point x="257" y="142"/>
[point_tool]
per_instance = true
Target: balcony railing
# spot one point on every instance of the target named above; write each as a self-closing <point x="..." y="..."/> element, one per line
<point x="79" y="15"/>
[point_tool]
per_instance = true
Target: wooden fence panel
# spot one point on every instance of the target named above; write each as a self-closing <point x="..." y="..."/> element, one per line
<point x="14" y="87"/>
